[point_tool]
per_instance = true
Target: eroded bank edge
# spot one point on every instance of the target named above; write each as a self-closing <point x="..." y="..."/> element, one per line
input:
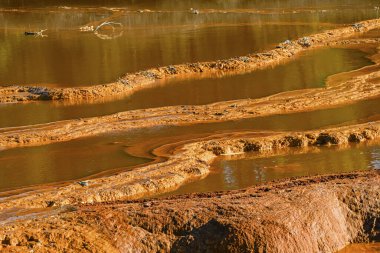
<point x="192" y="162"/>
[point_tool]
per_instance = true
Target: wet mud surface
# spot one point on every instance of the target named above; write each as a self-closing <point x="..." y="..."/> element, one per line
<point x="47" y="161"/>
<point x="362" y="248"/>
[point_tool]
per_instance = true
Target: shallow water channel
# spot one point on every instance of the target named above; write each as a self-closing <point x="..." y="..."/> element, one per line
<point x="160" y="33"/>
<point x="241" y="171"/>
<point x="166" y="34"/>
<point x="308" y="71"/>
<point x="84" y="157"/>
<point x="292" y="5"/>
<point x="68" y="58"/>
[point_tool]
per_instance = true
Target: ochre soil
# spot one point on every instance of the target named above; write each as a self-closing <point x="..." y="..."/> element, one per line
<point x="313" y="214"/>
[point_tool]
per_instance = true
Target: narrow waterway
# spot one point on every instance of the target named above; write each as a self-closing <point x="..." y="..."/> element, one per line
<point x="308" y="71"/>
<point x="88" y="156"/>
<point x="241" y="171"/>
<point x="149" y="34"/>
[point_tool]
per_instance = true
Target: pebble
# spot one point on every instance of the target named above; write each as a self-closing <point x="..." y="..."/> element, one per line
<point x="83" y="183"/>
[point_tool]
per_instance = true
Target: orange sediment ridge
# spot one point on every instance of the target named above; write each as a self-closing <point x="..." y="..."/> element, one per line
<point x="362" y="84"/>
<point x="188" y="162"/>
<point x="31" y="214"/>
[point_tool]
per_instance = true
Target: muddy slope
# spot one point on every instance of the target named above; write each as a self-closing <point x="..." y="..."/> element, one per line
<point x="135" y="81"/>
<point x="316" y="214"/>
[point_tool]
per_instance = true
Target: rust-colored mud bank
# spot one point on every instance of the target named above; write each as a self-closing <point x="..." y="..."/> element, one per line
<point x="189" y="162"/>
<point x="359" y="85"/>
<point x="312" y="214"/>
<point x="135" y="81"/>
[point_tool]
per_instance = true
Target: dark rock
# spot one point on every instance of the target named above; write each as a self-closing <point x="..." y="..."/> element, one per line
<point x="357" y="27"/>
<point x="305" y="42"/>
<point x="83" y="183"/>
<point x="324" y="139"/>
<point x="217" y="150"/>
<point x="355" y="137"/>
<point x="248" y="147"/>
<point x="172" y="70"/>
<point x="50" y="203"/>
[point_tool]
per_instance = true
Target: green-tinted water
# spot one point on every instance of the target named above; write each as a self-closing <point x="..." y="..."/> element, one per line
<point x="170" y="34"/>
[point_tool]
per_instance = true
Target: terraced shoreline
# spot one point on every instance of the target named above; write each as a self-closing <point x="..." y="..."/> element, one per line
<point x="274" y="214"/>
<point x="189" y="162"/>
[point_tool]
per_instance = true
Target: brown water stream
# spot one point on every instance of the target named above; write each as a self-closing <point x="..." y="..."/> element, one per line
<point x="186" y="4"/>
<point x="73" y="58"/>
<point x="308" y="71"/>
<point x="170" y="34"/>
<point x="165" y="32"/>
<point x="84" y="157"/>
<point x="241" y="171"/>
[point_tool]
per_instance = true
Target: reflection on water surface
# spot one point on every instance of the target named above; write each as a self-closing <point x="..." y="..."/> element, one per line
<point x="168" y="35"/>
<point x="88" y="156"/>
<point x="236" y="172"/>
<point x="308" y="71"/>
